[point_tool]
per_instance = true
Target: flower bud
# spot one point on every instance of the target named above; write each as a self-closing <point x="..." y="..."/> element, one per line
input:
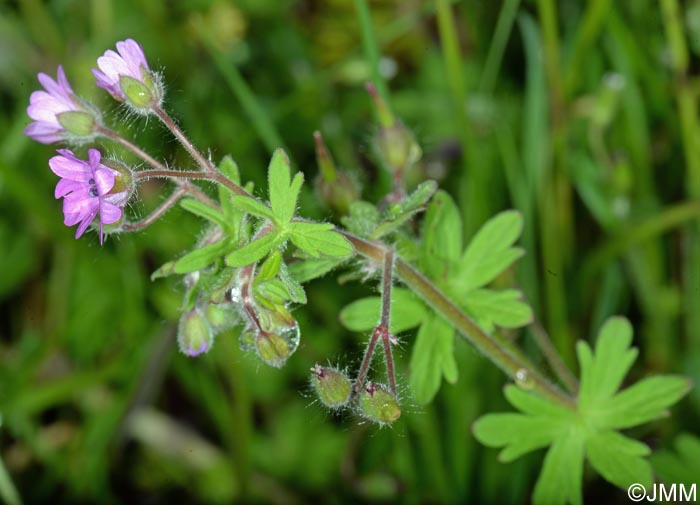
<point x="397" y="147"/>
<point x="332" y="386"/>
<point x="336" y="189"/>
<point x="194" y="335"/>
<point x="221" y="316"/>
<point x="273" y="349"/>
<point x="379" y="405"/>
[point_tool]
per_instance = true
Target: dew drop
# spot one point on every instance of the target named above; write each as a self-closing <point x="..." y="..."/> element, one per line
<point x="524" y="379"/>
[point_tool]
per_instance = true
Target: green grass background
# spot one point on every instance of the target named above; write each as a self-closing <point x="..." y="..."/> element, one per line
<point x="583" y="115"/>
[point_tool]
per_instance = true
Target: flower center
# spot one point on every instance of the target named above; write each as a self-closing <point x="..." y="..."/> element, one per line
<point x="93" y="188"/>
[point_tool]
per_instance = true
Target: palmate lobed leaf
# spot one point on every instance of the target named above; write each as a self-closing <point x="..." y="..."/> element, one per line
<point x="587" y="431"/>
<point x="283" y="190"/>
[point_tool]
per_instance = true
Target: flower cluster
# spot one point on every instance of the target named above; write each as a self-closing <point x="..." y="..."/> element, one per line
<point x="94" y="187"/>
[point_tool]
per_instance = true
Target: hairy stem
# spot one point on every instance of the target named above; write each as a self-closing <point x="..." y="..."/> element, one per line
<point x="184" y="174"/>
<point x="384" y="323"/>
<point x="170" y="123"/>
<point x="158" y="213"/>
<point x="112" y="135"/>
<point x="506" y="360"/>
<point x="502" y="357"/>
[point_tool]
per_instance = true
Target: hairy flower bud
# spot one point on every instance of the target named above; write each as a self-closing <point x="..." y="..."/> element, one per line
<point x="397" y="147"/>
<point x="331" y="386"/>
<point x="273" y="349"/>
<point x="194" y="334"/>
<point x="221" y="316"/>
<point x="379" y="405"/>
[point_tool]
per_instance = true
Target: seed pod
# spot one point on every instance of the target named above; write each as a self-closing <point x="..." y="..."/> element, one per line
<point x="331" y="386"/>
<point x="377" y="404"/>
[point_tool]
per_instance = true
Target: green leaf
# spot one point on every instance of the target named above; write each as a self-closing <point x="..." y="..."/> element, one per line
<point x="516" y="433"/>
<point x="497" y="308"/>
<point x="304" y="271"/>
<point x="283" y="191"/>
<point x="202" y="257"/>
<point x="619" y="459"/>
<point x="586" y="431"/>
<point x="165" y="270"/>
<point x="254" y="251"/>
<point x="406" y="312"/>
<point x="432" y="358"/>
<point x="229" y="168"/>
<point x="681" y="465"/>
<point x="252" y="206"/>
<point x="270" y="267"/>
<point x="416" y="200"/>
<point x="362" y="219"/>
<point x="562" y="471"/>
<point x="442" y="236"/>
<point x="296" y="290"/>
<point x="274" y="291"/>
<point x="490" y="251"/>
<point x="319" y="239"/>
<point x="602" y="375"/>
<point x="201" y="209"/>
<point x="643" y="402"/>
<point x="386" y="227"/>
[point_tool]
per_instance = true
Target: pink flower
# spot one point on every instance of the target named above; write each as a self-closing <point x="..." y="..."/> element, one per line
<point x="57" y="112"/>
<point x="130" y="62"/>
<point x="85" y="187"/>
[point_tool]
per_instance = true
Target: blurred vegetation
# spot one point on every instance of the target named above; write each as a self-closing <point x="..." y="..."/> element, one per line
<point x="583" y="115"/>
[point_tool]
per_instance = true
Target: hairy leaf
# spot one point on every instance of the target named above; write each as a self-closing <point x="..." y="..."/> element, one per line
<point x="319" y="239"/>
<point x="202" y="257"/>
<point x="254" y="251"/>
<point x="283" y="190"/>
<point x="252" y="206"/>
<point x="201" y="209"/>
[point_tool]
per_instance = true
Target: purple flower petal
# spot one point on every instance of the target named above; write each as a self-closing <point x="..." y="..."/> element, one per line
<point x="44" y="106"/>
<point x="85" y="187"/>
<point x="129" y="61"/>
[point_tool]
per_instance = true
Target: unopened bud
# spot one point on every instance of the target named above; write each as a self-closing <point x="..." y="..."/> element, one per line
<point x="273" y="349"/>
<point x="332" y="386"/>
<point x="194" y="335"/>
<point x="339" y="194"/>
<point x="397" y="147"/>
<point x="379" y="405"/>
<point x="221" y="316"/>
